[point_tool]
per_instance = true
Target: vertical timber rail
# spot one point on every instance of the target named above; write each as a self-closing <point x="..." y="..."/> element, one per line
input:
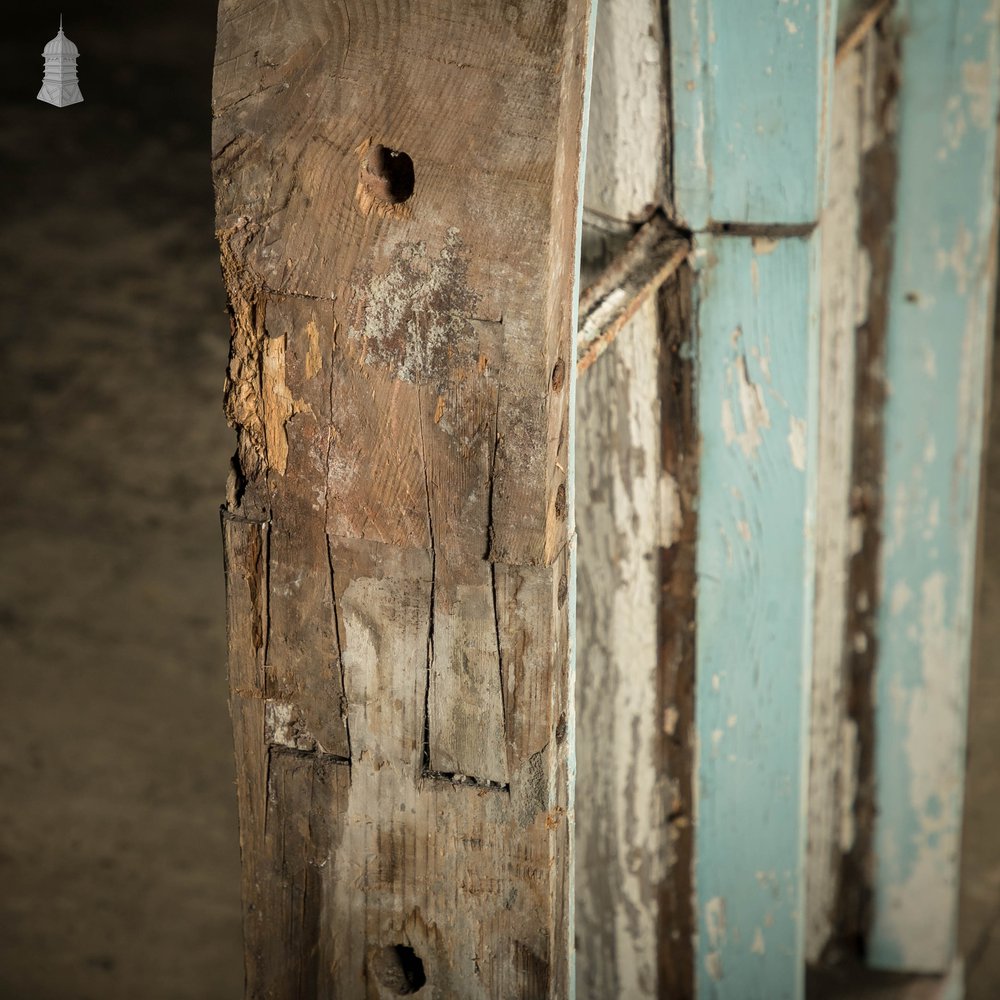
<point x="397" y="210"/>
<point x="856" y="253"/>
<point x="621" y="837"/>
<point x="750" y="93"/>
<point x="937" y="360"/>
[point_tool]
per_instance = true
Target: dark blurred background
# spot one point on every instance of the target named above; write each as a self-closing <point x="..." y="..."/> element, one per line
<point x="119" y="853"/>
<point x="119" y="857"/>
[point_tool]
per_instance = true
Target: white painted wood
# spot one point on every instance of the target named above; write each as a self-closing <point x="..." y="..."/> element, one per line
<point x="842" y="307"/>
<point x="621" y="828"/>
<point x="620" y="819"/>
<point x="626" y="154"/>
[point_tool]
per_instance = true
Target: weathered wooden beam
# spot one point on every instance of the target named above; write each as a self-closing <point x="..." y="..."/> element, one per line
<point x="938" y="342"/>
<point x="397" y="207"/>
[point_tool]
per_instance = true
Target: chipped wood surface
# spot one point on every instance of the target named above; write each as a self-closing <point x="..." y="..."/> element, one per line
<point x="401" y="283"/>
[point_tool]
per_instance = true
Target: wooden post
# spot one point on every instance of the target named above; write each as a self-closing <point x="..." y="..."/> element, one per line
<point x="750" y="90"/>
<point x="856" y="258"/>
<point x="621" y="797"/>
<point x="397" y="212"/>
<point x="937" y="363"/>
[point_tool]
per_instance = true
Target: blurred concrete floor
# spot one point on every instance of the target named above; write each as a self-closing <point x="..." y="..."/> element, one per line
<point x="119" y="866"/>
<point x="119" y="857"/>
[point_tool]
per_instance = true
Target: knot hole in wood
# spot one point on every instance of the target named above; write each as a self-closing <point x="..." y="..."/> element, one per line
<point x="388" y="174"/>
<point x="399" y="969"/>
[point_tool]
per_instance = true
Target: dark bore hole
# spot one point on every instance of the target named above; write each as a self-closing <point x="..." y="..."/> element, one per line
<point x="558" y="374"/>
<point x="561" y="502"/>
<point x="390" y="174"/>
<point x="563" y="591"/>
<point x="399" y="969"/>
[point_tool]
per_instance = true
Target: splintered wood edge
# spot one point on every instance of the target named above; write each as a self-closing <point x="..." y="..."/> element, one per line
<point x="655" y="253"/>
<point x="859" y="31"/>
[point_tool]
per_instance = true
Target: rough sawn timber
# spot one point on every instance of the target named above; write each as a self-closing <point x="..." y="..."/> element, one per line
<point x="397" y="212"/>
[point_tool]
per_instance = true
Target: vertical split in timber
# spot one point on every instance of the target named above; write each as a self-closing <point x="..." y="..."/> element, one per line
<point x="939" y="321"/>
<point x="397" y="212"/>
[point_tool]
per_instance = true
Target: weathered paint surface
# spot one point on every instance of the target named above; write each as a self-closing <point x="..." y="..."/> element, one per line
<point x="937" y="351"/>
<point x="749" y="85"/>
<point x="626" y="156"/>
<point x="758" y="347"/>
<point x="620" y="833"/>
<point x="843" y="308"/>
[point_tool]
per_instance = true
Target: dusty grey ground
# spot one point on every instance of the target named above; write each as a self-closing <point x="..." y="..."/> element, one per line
<point x="118" y="845"/>
<point x="118" y="842"/>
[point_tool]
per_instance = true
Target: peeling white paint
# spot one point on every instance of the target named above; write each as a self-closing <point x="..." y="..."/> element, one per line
<point x="797" y="442"/>
<point x="848" y="784"/>
<point x="753" y="411"/>
<point x="670" y="510"/>
<point x="957" y="258"/>
<point x="901" y="595"/>
<point x="976" y="85"/>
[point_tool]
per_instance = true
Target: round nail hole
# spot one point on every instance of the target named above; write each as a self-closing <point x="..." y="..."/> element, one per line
<point x="558" y="374"/>
<point x="399" y="969"/>
<point x="389" y="174"/>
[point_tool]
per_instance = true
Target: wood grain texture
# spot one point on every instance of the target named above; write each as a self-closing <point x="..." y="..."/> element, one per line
<point x="937" y="353"/>
<point x="749" y="88"/>
<point x="757" y="411"/>
<point x="397" y="196"/>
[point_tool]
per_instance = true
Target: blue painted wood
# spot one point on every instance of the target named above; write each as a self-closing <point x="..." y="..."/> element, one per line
<point x="937" y="350"/>
<point x="757" y="357"/>
<point x="749" y="84"/>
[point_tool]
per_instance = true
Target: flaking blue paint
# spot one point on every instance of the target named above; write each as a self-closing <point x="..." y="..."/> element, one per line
<point x="936" y="362"/>
<point x="757" y="405"/>
<point x="749" y="85"/>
